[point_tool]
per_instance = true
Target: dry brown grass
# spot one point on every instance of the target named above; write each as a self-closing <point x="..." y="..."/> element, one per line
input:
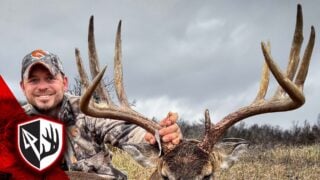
<point x="259" y="163"/>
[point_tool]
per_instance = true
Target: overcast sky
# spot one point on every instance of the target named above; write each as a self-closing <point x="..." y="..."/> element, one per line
<point x="178" y="55"/>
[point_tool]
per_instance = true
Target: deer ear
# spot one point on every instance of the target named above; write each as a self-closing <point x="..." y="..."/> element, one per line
<point x="145" y="154"/>
<point x="230" y="149"/>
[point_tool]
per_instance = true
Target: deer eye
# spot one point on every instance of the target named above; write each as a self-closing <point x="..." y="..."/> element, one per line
<point x="208" y="177"/>
<point x="164" y="177"/>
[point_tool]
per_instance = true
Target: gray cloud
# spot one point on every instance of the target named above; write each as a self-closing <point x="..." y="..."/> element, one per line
<point x="178" y="55"/>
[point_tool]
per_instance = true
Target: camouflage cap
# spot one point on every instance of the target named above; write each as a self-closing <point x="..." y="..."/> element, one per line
<point x="39" y="56"/>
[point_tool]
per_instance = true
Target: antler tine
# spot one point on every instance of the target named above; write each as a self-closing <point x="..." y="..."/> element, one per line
<point x="264" y="82"/>
<point x="86" y="96"/>
<point x="287" y="85"/>
<point x="94" y="64"/>
<point x="294" y="56"/>
<point x="82" y="73"/>
<point x="118" y="75"/>
<point x="205" y="144"/>
<point x="303" y="71"/>
<point x="293" y="98"/>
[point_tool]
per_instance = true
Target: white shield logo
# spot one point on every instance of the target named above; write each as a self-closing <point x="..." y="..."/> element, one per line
<point x="40" y="142"/>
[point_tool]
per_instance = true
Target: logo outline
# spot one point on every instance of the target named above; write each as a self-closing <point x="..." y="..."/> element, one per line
<point x="48" y="160"/>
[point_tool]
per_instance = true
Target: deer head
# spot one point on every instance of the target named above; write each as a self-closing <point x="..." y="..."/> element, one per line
<point x="198" y="159"/>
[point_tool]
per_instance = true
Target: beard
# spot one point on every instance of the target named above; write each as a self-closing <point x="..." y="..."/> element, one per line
<point x="47" y="104"/>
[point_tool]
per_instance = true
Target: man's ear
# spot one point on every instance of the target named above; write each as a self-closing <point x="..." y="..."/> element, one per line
<point x="230" y="149"/>
<point x="65" y="83"/>
<point x="144" y="153"/>
<point x="22" y="86"/>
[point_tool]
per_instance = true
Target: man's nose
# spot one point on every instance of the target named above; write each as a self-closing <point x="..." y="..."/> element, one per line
<point x="43" y="85"/>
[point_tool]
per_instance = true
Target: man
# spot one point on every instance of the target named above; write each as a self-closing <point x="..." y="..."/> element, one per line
<point x="44" y="84"/>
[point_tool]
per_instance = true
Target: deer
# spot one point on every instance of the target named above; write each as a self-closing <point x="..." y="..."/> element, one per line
<point x="193" y="159"/>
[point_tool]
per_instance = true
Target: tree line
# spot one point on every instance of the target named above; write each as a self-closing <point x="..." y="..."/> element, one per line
<point x="266" y="135"/>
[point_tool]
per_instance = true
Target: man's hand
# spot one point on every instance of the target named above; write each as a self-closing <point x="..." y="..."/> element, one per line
<point x="170" y="132"/>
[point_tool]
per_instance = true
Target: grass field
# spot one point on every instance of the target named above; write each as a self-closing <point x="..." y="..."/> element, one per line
<point x="259" y="163"/>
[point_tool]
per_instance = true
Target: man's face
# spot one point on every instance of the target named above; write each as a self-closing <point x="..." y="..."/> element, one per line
<point x="43" y="90"/>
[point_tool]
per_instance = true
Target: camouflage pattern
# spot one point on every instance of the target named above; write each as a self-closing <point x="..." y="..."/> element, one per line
<point x="49" y="60"/>
<point x="87" y="138"/>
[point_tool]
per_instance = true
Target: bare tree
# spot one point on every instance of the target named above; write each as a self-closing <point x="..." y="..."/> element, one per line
<point x="77" y="88"/>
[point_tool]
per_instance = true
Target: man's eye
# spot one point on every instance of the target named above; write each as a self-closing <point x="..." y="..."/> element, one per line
<point x="51" y="78"/>
<point x="33" y="81"/>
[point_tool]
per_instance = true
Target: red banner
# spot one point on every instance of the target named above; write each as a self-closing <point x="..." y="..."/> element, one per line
<point x="11" y="165"/>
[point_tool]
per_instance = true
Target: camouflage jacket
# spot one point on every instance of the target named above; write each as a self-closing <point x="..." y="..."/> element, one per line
<point x="87" y="138"/>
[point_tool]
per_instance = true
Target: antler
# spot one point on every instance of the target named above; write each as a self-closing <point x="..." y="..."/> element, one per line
<point x="109" y="109"/>
<point x="54" y="144"/>
<point x="288" y="96"/>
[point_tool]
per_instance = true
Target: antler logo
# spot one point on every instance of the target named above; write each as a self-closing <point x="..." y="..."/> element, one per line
<point x="40" y="142"/>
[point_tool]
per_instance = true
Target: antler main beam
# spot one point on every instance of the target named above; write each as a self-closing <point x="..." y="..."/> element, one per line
<point x="289" y="94"/>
